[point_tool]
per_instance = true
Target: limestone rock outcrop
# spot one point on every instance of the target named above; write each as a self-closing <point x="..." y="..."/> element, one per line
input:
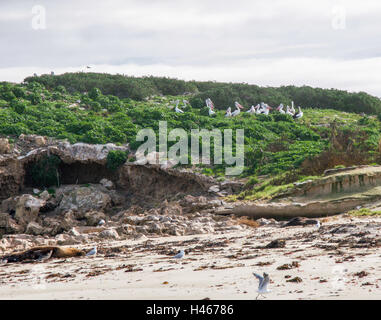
<point x="83" y="199"/>
<point x="28" y="208"/>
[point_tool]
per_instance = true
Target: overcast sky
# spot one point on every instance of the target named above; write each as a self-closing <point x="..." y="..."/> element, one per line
<point x="326" y="43"/>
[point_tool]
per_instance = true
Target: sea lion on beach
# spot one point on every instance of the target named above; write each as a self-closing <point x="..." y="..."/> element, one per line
<point x="40" y="253"/>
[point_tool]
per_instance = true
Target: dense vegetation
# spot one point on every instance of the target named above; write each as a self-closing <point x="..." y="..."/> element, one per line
<point x="45" y="171"/>
<point x="222" y="94"/>
<point x="98" y="108"/>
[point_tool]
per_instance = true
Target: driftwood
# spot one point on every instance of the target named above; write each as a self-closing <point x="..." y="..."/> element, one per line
<point x="42" y="254"/>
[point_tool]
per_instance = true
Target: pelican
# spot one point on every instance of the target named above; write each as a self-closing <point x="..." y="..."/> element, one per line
<point x="263" y="282"/>
<point x="252" y="110"/>
<point x="210" y="106"/>
<point x="259" y="109"/>
<point x="280" y="109"/>
<point x="228" y="112"/>
<point x="177" y="110"/>
<point x="299" y="114"/>
<point x="292" y="107"/>
<point x="288" y="111"/>
<point x="237" y="111"/>
<point x="185" y="103"/>
<point x="267" y="109"/>
<point x="209" y="103"/>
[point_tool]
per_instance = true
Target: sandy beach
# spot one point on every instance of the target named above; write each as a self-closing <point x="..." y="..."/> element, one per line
<point x="332" y="262"/>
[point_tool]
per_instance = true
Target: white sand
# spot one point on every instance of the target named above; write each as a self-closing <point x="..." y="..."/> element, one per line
<point x="236" y="282"/>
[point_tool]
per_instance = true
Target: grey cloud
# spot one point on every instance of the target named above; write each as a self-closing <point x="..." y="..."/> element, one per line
<point x="199" y="34"/>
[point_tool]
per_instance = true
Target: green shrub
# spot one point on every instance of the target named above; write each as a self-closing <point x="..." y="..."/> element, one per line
<point x="252" y="181"/>
<point x="3" y="103"/>
<point x="44" y="173"/>
<point x="95" y="93"/>
<point x="197" y="103"/>
<point x="115" y="159"/>
<point x="95" y="106"/>
<point x="18" y="105"/>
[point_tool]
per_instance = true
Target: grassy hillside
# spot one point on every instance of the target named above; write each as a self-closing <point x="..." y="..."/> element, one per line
<point x="278" y="149"/>
<point x="222" y="94"/>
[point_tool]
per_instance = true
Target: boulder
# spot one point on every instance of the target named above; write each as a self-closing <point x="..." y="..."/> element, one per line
<point x="84" y="152"/>
<point x="9" y="205"/>
<point x="34" y="228"/>
<point x="66" y="239"/>
<point x="74" y="232"/>
<point x="109" y="234"/>
<point x="107" y="183"/>
<point x="45" y="195"/>
<point x="39" y="141"/>
<point x="171" y="209"/>
<point x="93" y="217"/>
<point x="8" y="225"/>
<point x="215" y="189"/>
<point x="84" y="199"/>
<point x="27" y="208"/>
<point x="5" y="147"/>
<point x="153" y="227"/>
<point x="125" y="229"/>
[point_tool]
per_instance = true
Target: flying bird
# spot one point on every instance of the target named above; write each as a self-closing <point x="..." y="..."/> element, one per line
<point x="263" y="283"/>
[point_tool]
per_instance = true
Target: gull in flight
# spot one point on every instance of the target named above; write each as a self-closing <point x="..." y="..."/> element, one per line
<point x="263" y="282"/>
<point x="180" y="255"/>
<point x="92" y="252"/>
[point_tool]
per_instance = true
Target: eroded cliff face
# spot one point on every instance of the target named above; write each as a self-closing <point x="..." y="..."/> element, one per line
<point x="84" y="163"/>
<point x="132" y="201"/>
<point x="341" y="181"/>
<point x="339" y="191"/>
